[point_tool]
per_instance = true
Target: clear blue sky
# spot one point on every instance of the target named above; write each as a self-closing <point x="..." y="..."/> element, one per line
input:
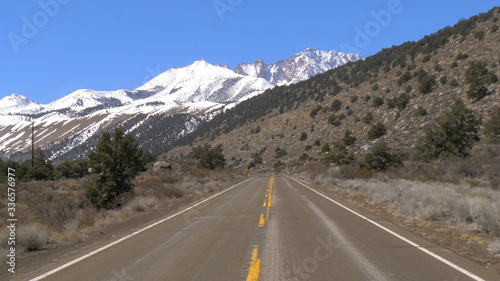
<point x="48" y="52"/>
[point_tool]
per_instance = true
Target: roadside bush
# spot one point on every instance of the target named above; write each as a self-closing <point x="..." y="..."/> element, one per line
<point x="339" y="156"/>
<point x="141" y="204"/>
<point x="435" y="202"/>
<point x="32" y="237"/>
<point x="454" y="132"/>
<point x="381" y="158"/>
<point x="494" y="248"/>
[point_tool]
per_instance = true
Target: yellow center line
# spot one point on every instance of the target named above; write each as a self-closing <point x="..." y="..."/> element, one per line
<point x="269" y="200"/>
<point x="264" y="204"/>
<point x="254" y="271"/>
<point x="262" y="220"/>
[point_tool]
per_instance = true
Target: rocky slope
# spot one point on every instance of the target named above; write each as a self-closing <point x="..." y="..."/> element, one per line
<point x="372" y="87"/>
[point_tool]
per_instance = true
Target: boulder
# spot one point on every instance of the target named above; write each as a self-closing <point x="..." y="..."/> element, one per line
<point x="162" y="165"/>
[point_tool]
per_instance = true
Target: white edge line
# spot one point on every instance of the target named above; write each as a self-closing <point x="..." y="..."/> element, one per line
<point x="464" y="271"/>
<point x="128" y="236"/>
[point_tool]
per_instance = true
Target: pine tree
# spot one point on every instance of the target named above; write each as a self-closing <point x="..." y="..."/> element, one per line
<point x="42" y="169"/>
<point x="116" y="160"/>
<point x="209" y="157"/>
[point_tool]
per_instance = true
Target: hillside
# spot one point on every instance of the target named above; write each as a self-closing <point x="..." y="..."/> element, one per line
<point x="405" y="87"/>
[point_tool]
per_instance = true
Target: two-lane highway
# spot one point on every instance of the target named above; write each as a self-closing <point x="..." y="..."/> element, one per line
<point x="268" y="229"/>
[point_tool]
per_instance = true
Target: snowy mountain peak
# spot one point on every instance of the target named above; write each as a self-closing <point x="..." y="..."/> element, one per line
<point x="299" y="67"/>
<point x="15" y="100"/>
<point x="203" y="82"/>
<point x="18" y="104"/>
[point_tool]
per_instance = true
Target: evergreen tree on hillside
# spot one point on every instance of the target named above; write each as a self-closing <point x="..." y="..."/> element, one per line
<point x="454" y="132"/>
<point x="479" y="78"/>
<point x="208" y="156"/>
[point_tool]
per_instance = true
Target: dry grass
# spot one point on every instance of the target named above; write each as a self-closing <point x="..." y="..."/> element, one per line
<point x="33" y="237"/>
<point x="475" y="208"/>
<point x="141" y="204"/>
<point x="494" y="248"/>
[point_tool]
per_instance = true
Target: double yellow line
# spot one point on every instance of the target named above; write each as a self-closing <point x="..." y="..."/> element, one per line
<point x="267" y="203"/>
<point x="254" y="270"/>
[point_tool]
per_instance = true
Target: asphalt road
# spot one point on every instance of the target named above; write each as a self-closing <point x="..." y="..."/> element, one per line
<point x="270" y="229"/>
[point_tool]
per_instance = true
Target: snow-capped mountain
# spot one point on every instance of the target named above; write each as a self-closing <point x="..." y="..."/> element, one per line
<point x="83" y="99"/>
<point x="170" y="105"/>
<point x="18" y="104"/>
<point x="202" y="81"/>
<point x="298" y="67"/>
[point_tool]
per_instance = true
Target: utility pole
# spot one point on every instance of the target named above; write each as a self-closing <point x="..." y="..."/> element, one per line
<point x="32" y="144"/>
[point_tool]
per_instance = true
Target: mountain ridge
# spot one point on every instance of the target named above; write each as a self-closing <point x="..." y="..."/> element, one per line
<point x="200" y="90"/>
<point x="296" y="68"/>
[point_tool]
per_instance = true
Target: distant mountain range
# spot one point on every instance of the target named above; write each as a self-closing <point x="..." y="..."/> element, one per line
<point x="298" y="67"/>
<point x="185" y="96"/>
